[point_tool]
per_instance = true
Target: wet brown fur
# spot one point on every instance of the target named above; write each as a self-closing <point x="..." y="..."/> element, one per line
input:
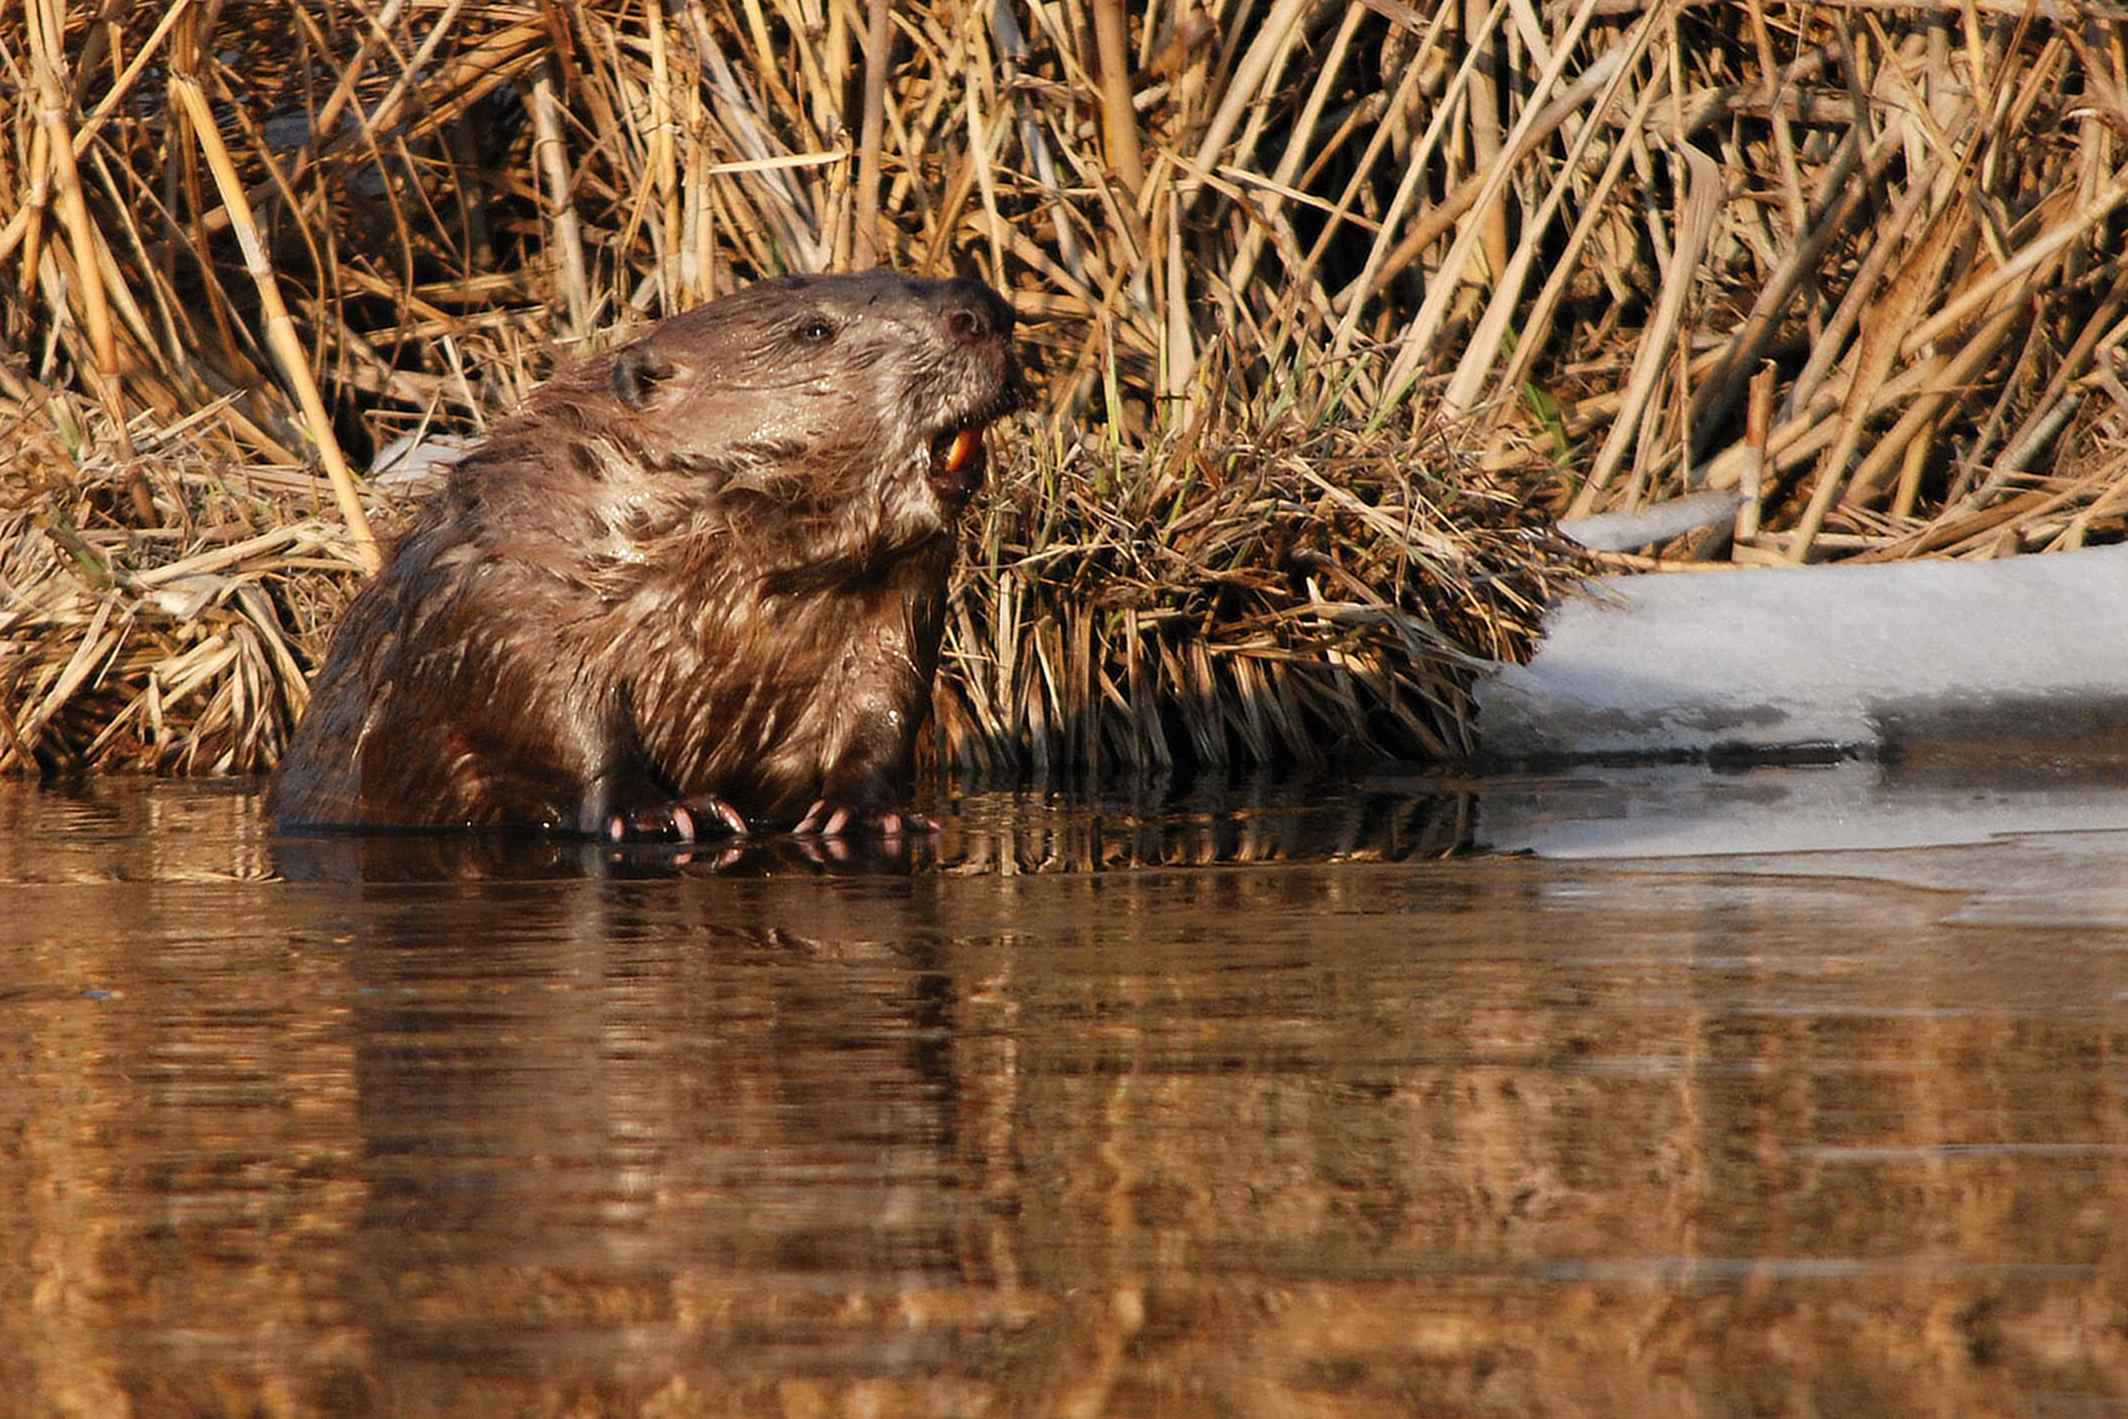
<point x="713" y="562"/>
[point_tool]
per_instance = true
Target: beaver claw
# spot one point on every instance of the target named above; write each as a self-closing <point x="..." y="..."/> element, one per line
<point x="829" y="819"/>
<point x="677" y="819"/>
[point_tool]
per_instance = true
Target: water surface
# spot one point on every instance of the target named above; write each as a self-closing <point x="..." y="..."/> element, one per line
<point x="1244" y="1104"/>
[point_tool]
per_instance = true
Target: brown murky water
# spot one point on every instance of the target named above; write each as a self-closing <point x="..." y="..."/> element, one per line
<point x="1234" y="1108"/>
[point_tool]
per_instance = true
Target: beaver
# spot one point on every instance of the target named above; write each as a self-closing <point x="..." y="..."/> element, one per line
<point x="698" y="581"/>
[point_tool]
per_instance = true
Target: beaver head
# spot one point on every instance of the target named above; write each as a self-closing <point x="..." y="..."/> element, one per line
<point x="816" y="412"/>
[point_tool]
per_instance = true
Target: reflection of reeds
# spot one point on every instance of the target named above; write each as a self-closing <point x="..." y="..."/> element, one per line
<point x="1324" y="298"/>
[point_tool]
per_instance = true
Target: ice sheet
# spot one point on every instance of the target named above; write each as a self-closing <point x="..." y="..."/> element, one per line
<point x="2027" y="649"/>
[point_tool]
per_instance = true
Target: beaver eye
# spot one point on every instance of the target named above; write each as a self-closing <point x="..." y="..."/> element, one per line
<point x="816" y="331"/>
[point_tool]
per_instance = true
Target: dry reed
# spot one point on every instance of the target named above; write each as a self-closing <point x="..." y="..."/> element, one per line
<point x="1335" y="304"/>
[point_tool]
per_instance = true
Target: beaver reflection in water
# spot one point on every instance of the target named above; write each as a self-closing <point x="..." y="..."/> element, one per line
<point x="699" y="579"/>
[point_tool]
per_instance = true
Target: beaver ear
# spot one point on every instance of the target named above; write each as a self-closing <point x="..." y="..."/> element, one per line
<point x="637" y="373"/>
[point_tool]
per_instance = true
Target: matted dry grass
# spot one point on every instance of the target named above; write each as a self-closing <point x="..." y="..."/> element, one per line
<point x="1334" y="304"/>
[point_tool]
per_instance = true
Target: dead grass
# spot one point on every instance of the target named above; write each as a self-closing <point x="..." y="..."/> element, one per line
<point x="1334" y="304"/>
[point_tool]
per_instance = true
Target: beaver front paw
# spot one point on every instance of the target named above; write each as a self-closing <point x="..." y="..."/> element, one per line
<point x="828" y="818"/>
<point x="680" y="819"/>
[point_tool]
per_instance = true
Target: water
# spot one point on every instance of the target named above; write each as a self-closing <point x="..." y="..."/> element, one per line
<point x="1246" y="1105"/>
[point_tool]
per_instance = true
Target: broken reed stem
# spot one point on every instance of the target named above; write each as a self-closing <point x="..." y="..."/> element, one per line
<point x="1758" y="429"/>
<point x="58" y="149"/>
<point x="552" y="158"/>
<point x="1119" y="121"/>
<point x="280" y="330"/>
<point x="29" y="224"/>
<point x="868" y="245"/>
